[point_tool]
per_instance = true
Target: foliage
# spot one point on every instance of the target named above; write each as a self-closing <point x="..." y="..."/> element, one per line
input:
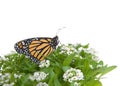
<point x="69" y="65"/>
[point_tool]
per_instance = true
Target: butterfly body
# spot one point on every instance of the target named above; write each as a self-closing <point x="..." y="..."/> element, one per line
<point x="37" y="48"/>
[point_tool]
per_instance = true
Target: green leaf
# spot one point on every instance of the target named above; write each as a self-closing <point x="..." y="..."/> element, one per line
<point x="56" y="81"/>
<point x="68" y="60"/>
<point x="86" y="46"/>
<point x="100" y="63"/>
<point x="25" y="81"/>
<point x="93" y="83"/>
<point x="72" y="84"/>
<point x="82" y="53"/>
<point x="65" y="68"/>
<point x="51" y="78"/>
<point x="107" y="69"/>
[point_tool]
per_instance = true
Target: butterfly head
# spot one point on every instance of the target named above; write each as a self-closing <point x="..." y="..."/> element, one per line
<point x="54" y="42"/>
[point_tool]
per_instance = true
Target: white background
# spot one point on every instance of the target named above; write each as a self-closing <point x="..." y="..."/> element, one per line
<point x="96" y="22"/>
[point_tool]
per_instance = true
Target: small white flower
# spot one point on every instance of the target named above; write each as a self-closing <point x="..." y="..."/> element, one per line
<point x="47" y="64"/>
<point x="90" y="50"/>
<point x="70" y="80"/>
<point x="7" y="75"/>
<point x="42" y="84"/>
<point x="91" y="66"/>
<point x="98" y="66"/>
<point x="0" y="74"/>
<point x="7" y="80"/>
<point x="3" y="58"/>
<point x="31" y="78"/>
<point x="74" y="78"/>
<point x="95" y="58"/>
<point x="1" y="82"/>
<point x="17" y="76"/>
<point x="44" y="63"/>
<point x="77" y="84"/>
<point x="72" y="75"/>
<point x="38" y="76"/>
<point x="80" y="49"/>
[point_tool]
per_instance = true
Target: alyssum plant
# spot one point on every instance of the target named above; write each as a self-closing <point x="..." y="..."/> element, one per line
<point x="68" y="65"/>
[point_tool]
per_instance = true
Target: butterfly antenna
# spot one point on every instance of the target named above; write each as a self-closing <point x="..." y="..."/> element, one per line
<point x="59" y="30"/>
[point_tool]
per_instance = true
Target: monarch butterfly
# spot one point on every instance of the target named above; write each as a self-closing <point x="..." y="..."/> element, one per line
<point x="37" y="48"/>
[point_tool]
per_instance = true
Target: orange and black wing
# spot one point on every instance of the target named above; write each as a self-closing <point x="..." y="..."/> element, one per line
<point x="37" y="48"/>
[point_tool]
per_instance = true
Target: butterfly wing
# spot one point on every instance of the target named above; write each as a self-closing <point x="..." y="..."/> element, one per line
<point x="36" y="48"/>
<point x="40" y="48"/>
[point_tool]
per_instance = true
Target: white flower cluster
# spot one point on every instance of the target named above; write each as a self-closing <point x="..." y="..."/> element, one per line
<point x="38" y="76"/>
<point x="93" y="52"/>
<point x="4" y="78"/>
<point x="3" y="58"/>
<point x="72" y="75"/>
<point x="44" y="63"/>
<point x="42" y="84"/>
<point x="67" y="49"/>
<point x="11" y="84"/>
